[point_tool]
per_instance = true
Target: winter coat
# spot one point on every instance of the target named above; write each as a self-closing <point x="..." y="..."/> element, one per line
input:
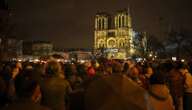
<point x="55" y="91"/>
<point x="188" y="80"/>
<point x="176" y="83"/>
<point x="160" y="98"/>
<point x="25" y="105"/>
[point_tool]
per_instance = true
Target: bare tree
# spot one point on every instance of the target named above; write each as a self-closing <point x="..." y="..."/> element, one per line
<point x="182" y="40"/>
<point x="155" y="45"/>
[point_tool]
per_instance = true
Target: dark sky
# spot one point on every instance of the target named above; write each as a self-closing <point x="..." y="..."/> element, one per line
<point x="70" y="23"/>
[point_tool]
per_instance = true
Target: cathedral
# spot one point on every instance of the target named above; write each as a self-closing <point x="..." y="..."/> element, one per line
<point x="113" y="35"/>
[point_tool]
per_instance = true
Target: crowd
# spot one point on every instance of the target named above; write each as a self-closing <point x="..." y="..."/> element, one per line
<point x="63" y="86"/>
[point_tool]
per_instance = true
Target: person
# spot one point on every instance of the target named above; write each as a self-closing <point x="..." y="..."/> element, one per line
<point x="91" y="70"/>
<point x="11" y="72"/>
<point x="159" y="96"/>
<point x="106" y="94"/>
<point x="125" y="68"/>
<point x="187" y="98"/>
<point x="176" y="85"/>
<point x="147" y="73"/>
<point x="135" y="75"/>
<point x="27" y="92"/>
<point x="55" y="88"/>
<point x="2" y="92"/>
<point x="116" y="68"/>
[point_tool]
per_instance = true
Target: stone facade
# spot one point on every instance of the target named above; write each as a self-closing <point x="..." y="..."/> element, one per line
<point x="113" y="35"/>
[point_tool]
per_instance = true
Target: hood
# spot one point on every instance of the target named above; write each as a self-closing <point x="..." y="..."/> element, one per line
<point x="159" y="91"/>
<point x="183" y="71"/>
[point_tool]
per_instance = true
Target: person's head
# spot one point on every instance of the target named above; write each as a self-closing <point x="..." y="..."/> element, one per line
<point x="81" y="70"/>
<point x="129" y="62"/>
<point x="18" y="65"/>
<point x="158" y="78"/>
<point x="101" y="68"/>
<point x="53" y="69"/>
<point x="108" y="70"/>
<point x="166" y="66"/>
<point x="73" y="69"/>
<point x="27" y="88"/>
<point x="181" y="65"/>
<point x="148" y="71"/>
<point x="117" y="67"/>
<point x="134" y="72"/>
<point x="125" y="67"/>
<point x="15" y="71"/>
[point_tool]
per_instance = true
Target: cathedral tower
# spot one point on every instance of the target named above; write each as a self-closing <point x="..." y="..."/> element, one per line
<point x="115" y="40"/>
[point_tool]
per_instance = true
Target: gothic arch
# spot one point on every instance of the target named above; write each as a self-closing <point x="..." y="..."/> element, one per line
<point x="101" y="43"/>
<point x="111" y="43"/>
<point x="121" y="43"/>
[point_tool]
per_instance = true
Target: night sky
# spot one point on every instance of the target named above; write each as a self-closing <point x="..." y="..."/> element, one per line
<point x="70" y="23"/>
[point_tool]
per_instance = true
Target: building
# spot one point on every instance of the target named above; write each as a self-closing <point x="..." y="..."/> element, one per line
<point x="42" y="48"/>
<point x="27" y="48"/>
<point x="80" y="55"/>
<point x="11" y="48"/>
<point x="113" y="35"/>
<point x="140" y="43"/>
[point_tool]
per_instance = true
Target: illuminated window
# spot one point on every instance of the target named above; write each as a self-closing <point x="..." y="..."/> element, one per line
<point x="111" y="43"/>
<point x="123" y="21"/>
<point x="119" y="21"/>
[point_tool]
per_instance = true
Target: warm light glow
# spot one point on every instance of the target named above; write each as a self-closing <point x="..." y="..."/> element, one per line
<point x="174" y="58"/>
<point x="150" y="55"/>
<point x="132" y="51"/>
<point x="36" y="60"/>
<point x="82" y="61"/>
<point x="117" y="37"/>
<point x="19" y="60"/>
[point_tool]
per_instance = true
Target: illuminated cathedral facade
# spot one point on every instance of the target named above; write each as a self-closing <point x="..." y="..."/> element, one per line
<point x="113" y="35"/>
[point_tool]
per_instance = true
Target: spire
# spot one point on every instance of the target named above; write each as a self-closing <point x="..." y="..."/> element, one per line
<point x="128" y="10"/>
